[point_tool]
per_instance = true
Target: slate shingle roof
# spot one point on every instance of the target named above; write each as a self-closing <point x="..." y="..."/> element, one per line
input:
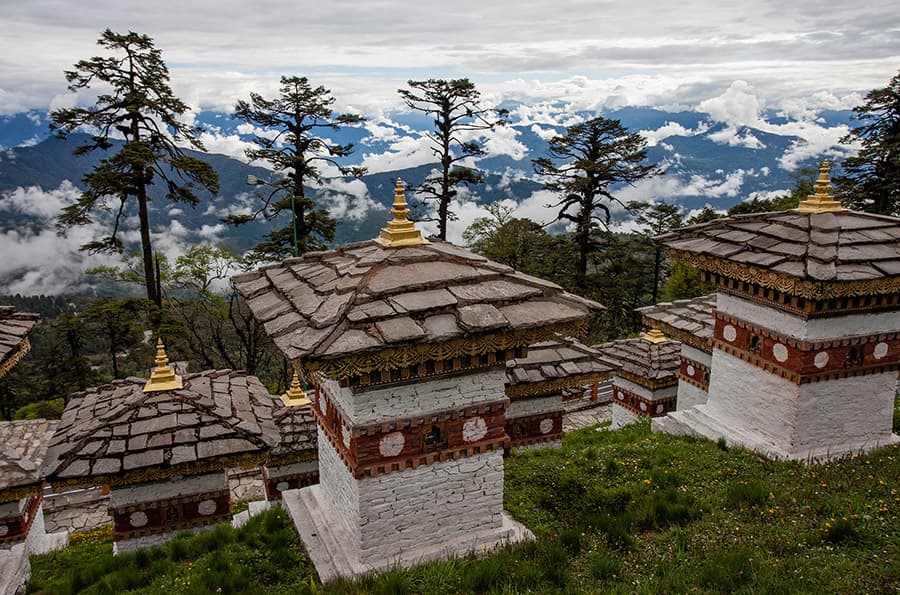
<point x="363" y="297"/>
<point x="655" y="362"/>
<point x="825" y="247"/>
<point x="690" y="321"/>
<point x="555" y="363"/>
<point x="297" y="430"/>
<point x="14" y="329"/>
<point x="114" y="432"/>
<point x="23" y="445"/>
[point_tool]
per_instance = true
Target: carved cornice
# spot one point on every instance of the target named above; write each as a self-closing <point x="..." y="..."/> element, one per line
<point x="247" y="461"/>
<point x="649" y="383"/>
<point x="10" y="362"/>
<point x="548" y="387"/>
<point x="414" y="354"/>
<point x="813" y="290"/>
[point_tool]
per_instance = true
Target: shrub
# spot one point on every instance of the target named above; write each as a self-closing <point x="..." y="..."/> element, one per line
<point x="841" y="530"/>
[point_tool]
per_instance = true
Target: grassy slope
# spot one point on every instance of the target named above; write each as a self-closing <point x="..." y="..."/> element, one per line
<point x="625" y="511"/>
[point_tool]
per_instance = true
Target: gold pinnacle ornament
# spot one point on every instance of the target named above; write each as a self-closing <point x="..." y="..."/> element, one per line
<point x="821" y="201"/>
<point x="295" y="397"/>
<point x="654" y="335"/>
<point x="400" y="231"/>
<point x="162" y="377"/>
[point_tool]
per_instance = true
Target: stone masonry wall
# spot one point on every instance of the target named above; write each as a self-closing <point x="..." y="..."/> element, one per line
<point x="524" y="407"/>
<point x="689" y="396"/>
<point x="416" y="398"/>
<point x="421" y="507"/>
<point x="76" y="511"/>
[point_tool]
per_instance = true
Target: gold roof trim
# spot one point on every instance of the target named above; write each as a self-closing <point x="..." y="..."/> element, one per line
<point x="400" y="231"/>
<point x="654" y="335"/>
<point x="414" y="354"/>
<point x="10" y="362"/>
<point x="162" y="377"/>
<point x="813" y="290"/>
<point x="822" y="201"/>
<point x="546" y="387"/>
<point x="295" y="396"/>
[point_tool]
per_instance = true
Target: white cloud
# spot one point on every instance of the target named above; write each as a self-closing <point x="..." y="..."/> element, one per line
<point x="655" y="137"/>
<point x="544" y="133"/>
<point x="738" y="105"/>
<point x="736" y="137"/>
<point x="346" y="200"/>
<point x="502" y="141"/>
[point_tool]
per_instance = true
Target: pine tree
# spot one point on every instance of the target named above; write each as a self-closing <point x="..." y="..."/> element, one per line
<point x="583" y="167"/>
<point x="297" y="117"/>
<point x="871" y="180"/>
<point x="138" y="106"/>
<point x="456" y="108"/>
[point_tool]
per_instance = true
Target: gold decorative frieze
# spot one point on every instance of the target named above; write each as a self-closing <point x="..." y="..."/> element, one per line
<point x="414" y="354"/>
<point x="650" y="383"/>
<point x="786" y="284"/>
<point x="548" y="387"/>
<point x="160" y="473"/>
<point x="10" y="362"/>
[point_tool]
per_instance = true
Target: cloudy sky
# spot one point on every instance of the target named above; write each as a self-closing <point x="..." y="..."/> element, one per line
<point x="671" y="54"/>
<point x="730" y="61"/>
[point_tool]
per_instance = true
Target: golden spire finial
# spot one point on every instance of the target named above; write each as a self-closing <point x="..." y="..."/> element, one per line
<point x="400" y="231"/>
<point x="295" y="396"/>
<point x="654" y="335"/>
<point x="821" y="201"/>
<point x="162" y="377"/>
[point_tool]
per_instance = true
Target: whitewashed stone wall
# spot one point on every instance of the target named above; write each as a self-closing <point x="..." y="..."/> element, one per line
<point x="689" y="396"/>
<point x="526" y="407"/>
<point x="811" y="329"/>
<point x="246" y="484"/>
<point x="76" y="511"/>
<point x="416" y="508"/>
<point x="748" y="398"/>
<point x="701" y="357"/>
<point x="417" y="398"/>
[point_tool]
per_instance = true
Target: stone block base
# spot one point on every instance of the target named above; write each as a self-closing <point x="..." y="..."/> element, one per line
<point x="539" y="445"/>
<point x="14" y="569"/>
<point x="333" y="552"/>
<point x="698" y="422"/>
<point x="147" y="541"/>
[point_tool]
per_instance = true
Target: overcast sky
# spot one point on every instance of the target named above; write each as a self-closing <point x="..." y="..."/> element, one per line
<point x="670" y="54"/>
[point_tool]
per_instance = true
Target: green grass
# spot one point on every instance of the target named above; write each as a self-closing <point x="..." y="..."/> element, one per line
<point x="614" y="512"/>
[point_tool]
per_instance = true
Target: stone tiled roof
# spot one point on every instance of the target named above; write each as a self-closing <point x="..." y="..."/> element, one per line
<point x="830" y="247"/>
<point x="23" y="445"/>
<point x="363" y="298"/>
<point x="689" y="321"/>
<point x="14" y="328"/>
<point x="297" y="429"/>
<point x="642" y="360"/>
<point x="559" y="364"/>
<point x="119" y="434"/>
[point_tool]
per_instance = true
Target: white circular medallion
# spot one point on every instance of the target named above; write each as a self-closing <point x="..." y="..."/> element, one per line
<point x="690" y="370"/>
<point x="780" y="352"/>
<point x="546" y="425"/>
<point x="345" y="435"/>
<point x="730" y="333"/>
<point x="282" y="486"/>
<point x="659" y="408"/>
<point x="474" y="429"/>
<point x="137" y="519"/>
<point x="3" y="530"/>
<point x="880" y="350"/>
<point x="391" y="445"/>
<point x="207" y="507"/>
<point x="821" y="359"/>
<point x="643" y="406"/>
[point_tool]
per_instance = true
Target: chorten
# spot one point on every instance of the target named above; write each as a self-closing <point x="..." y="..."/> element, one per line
<point x="644" y="379"/>
<point x="407" y="340"/>
<point x="163" y="446"/>
<point x="691" y="323"/>
<point x="806" y="343"/>
<point x="535" y="386"/>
